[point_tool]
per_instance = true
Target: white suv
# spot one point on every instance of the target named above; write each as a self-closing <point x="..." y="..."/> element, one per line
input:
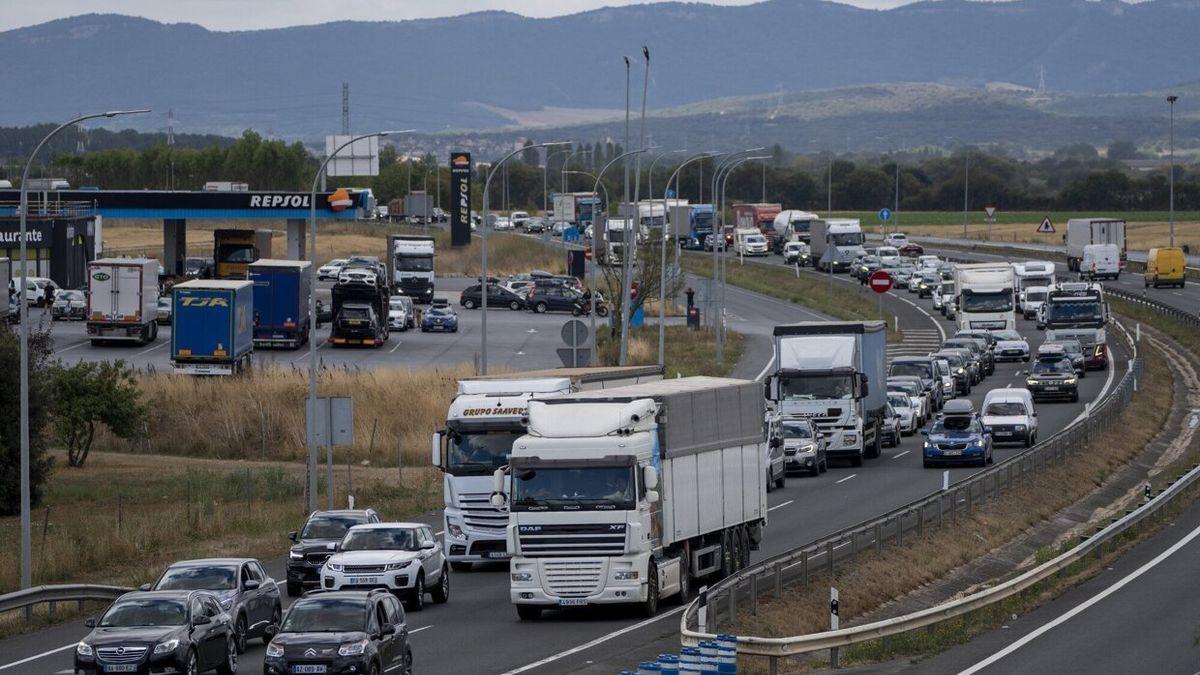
<point x="401" y="557"/>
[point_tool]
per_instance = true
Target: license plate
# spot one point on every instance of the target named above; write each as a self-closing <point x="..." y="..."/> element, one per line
<point x="360" y="581"/>
<point x="501" y="555"/>
<point x="1004" y="433"/>
<point x="952" y="453"/>
<point x="308" y="669"/>
<point x="1051" y="388"/>
<point x="572" y="602"/>
<point x="121" y="668"/>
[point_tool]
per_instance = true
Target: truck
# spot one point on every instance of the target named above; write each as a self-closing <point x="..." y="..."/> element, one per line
<point x="122" y="300"/>
<point x="748" y="241"/>
<point x="487" y="414"/>
<point x="576" y="208"/>
<point x="759" y="216"/>
<point x="281" y="293"/>
<point x="234" y="250"/>
<point x="1078" y="310"/>
<point x="985" y="296"/>
<point x="360" y="311"/>
<point x="1032" y="274"/>
<point x="792" y="225"/>
<point x="1084" y="231"/>
<point x="213" y="327"/>
<point x="835" y="243"/>
<point x="417" y="207"/>
<point x="613" y="238"/>
<point x="691" y="224"/>
<point x="834" y="373"/>
<point x="412" y="265"/>
<point x="634" y="494"/>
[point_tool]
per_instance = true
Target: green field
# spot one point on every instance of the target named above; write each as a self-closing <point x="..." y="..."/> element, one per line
<point x="950" y="218"/>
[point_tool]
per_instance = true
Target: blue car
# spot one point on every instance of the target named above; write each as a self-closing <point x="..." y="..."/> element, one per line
<point x="958" y="436"/>
<point x="440" y="319"/>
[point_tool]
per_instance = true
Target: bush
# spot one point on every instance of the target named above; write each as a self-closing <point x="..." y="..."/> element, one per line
<point x="91" y="393"/>
<point x="10" y="412"/>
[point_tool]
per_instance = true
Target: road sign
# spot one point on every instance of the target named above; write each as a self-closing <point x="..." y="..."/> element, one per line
<point x="990" y="211"/>
<point x="1046" y="227"/>
<point x="575" y="333"/>
<point x="885" y="214"/>
<point x="881" y="282"/>
<point x="333" y="422"/>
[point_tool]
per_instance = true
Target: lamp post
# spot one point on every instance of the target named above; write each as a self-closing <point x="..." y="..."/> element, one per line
<point x="966" y="180"/>
<point x="896" y="205"/>
<point x="312" y="317"/>
<point x="483" y="276"/>
<point x="595" y="229"/>
<point x="662" y="269"/>
<point x="26" y="532"/>
<point x="1171" y="102"/>
<point x="718" y="213"/>
<point x="721" y="311"/>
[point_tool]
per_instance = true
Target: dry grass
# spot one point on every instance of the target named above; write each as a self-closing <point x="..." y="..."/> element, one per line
<point x="686" y="352"/>
<point x="1140" y="236"/>
<point x="870" y="581"/>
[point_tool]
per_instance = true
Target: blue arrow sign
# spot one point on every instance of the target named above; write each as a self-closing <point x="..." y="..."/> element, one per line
<point x="885" y="214"/>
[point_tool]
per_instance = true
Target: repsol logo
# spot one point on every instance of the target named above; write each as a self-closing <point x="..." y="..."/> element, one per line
<point x="464" y="203"/>
<point x="279" y="201"/>
<point x="194" y="301"/>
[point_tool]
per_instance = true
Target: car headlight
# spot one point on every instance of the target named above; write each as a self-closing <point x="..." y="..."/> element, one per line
<point x="1031" y="382"/>
<point x="455" y="531"/>
<point x="390" y="567"/>
<point x="625" y="575"/>
<point x="960" y="371"/>
<point x="354" y="648"/>
<point x="521" y="576"/>
<point x="295" y="555"/>
<point x="166" y="647"/>
<point x="977" y="443"/>
<point x="333" y="567"/>
<point x="274" y="650"/>
<point x="83" y="649"/>
<point x="1069" y="380"/>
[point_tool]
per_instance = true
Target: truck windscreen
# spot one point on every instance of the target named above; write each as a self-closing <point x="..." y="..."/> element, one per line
<point x="480" y="453"/>
<point x="809" y="388"/>
<point x="702" y="222"/>
<point x="414" y="263"/>
<point x="236" y="253"/>
<point x="594" y="488"/>
<point x="1087" y="312"/>
<point x="801" y="226"/>
<point x="846" y="239"/>
<point x="998" y="301"/>
<point x="1029" y="282"/>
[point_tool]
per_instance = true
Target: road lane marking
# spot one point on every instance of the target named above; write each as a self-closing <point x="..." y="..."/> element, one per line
<point x="393" y="349"/>
<point x="157" y="346"/>
<point x="846" y="478"/>
<point x="305" y="354"/>
<point x="780" y="506"/>
<point x="901" y="454"/>
<point x="74" y="346"/>
<point x="588" y="645"/>
<point x="35" y="657"/>
<point x="418" y="630"/>
<point x="1083" y="606"/>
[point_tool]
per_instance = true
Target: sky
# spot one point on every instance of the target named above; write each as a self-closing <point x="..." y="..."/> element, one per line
<point x="250" y="14"/>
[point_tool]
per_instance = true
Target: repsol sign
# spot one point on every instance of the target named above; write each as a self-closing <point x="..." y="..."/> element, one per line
<point x="460" y="191"/>
<point x="278" y="201"/>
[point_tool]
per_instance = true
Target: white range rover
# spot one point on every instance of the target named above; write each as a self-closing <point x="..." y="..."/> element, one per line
<point x="404" y="558"/>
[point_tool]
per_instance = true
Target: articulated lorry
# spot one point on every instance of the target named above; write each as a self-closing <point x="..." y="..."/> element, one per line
<point x="986" y="299"/>
<point x="615" y="234"/>
<point x="489" y="413"/>
<point x="836" y="242"/>
<point x="1082" y="232"/>
<point x="212" y="327"/>
<point x="1078" y="310"/>
<point x="360" y="312"/>
<point x="834" y="373"/>
<point x="691" y="224"/>
<point x="281" y="293"/>
<point x="412" y="265"/>
<point x="634" y="494"/>
<point x="122" y="300"/>
<point x="792" y="225"/>
<point x="234" y="250"/>
<point x="759" y="216"/>
<point x="576" y="208"/>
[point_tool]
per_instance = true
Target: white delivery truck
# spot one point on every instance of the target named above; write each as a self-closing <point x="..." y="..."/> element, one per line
<point x="1100" y="261"/>
<point x="834" y="373"/>
<point x="1032" y="273"/>
<point x="634" y="494"/>
<point x="616" y="232"/>
<point x="412" y="265"/>
<point x="489" y="413"/>
<point x="836" y="242"/>
<point x="122" y="300"/>
<point x="985" y="296"/>
<point x="748" y="241"/>
<point x="1084" y="231"/>
<point x="792" y="225"/>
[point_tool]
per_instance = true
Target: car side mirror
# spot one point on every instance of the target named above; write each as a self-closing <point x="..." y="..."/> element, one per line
<point x="202" y="621"/>
<point x="776" y="442"/>
<point x="144" y="587"/>
<point x="90" y="622"/>
<point x="251" y="584"/>
<point x="293" y="536"/>
<point x="428" y="545"/>
<point x="388" y="629"/>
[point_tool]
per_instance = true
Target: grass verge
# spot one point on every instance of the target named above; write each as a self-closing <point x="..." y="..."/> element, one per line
<point x="686" y="352"/>
<point x="837" y="300"/>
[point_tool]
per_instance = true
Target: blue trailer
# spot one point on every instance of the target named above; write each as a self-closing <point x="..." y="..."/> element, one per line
<point x="213" y="327"/>
<point x="281" y="294"/>
<point x="691" y="224"/>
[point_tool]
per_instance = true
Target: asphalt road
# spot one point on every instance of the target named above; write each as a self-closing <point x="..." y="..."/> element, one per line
<point x="478" y="631"/>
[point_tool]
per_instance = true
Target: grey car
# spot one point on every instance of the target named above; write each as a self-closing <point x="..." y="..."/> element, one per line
<point x="243" y="588"/>
<point x="803" y="445"/>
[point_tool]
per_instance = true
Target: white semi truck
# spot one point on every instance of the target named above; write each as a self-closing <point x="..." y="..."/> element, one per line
<point x="834" y="373"/>
<point x="1032" y="273"/>
<point x="412" y="265"/>
<point x="122" y="300"/>
<point x="1083" y="232"/>
<point x="985" y="296"/>
<point x="1078" y="310"/>
<point x="634" y="494"/>
<point x="836" y="242"/>
<point x="487" y="415"/>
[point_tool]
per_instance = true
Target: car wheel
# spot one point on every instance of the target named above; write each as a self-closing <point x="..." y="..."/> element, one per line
<point x="540" y="308"/>
<point x="230" y="665"/>
<point x="373" y="669"/>
<point x="239" y="633"/>
<point x="273" y="627"/>
<point x="294" y="589"/>
<point x="441" y="592"/>
<point x="824" y="463"/>
<point x="189" y="666"/>
<point x="408" y="662"/>
<point x="529" y="612"/>
<point x="468" y="303"/>
<point x="514" y="305"/>
<point x="416" y="598"/>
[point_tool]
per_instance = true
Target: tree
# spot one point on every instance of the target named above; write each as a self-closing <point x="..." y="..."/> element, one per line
<point x="1120" y="150"/>
<point x="91" y="393"/>
<point x="40" y="347"/>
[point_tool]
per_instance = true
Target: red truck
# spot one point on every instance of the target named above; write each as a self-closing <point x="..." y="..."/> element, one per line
<point x="759" y="216"/>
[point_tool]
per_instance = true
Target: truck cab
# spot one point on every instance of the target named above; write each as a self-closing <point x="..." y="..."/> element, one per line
<point x="985" y="296"/>
<point x="836" y="242"/>
<point x="1078" y="310"/>
<point x="413" y="265"/>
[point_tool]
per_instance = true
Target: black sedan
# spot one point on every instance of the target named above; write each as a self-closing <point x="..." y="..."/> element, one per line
<point x="362" y="632"/>
<point x="498" y="296"/>
<point x="160" y="631"/>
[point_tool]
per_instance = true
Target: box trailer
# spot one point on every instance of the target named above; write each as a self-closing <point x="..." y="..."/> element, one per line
<point x="1083" y="232"/>
<point x="122" y="300"/>
<point x="281" y="293"/>
<point x="213" y="327"/>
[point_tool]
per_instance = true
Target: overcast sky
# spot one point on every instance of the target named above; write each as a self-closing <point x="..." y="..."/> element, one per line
<point x="246" y="14"/>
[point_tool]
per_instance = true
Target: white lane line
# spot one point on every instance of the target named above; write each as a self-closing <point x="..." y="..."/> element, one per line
<point x="588" y="645"/>
<point x="393" y="349"/>
<point x="780" y="506"/>
<point x="770" y="362"/>
<point x="418" y="630"/>
<point x="1083" y="606"/>
<point x="35" y="657"/>
<point x="74" y="346"/>
<point x="157" y="346"/>
<point x="901" y="454"/>
<point x="305" y="354"/>
<point x="846" y="478"/>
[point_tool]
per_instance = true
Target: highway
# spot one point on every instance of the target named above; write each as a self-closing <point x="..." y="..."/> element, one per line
<point x="478" y="630"/>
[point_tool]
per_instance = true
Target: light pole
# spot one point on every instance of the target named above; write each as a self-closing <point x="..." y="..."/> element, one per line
<point x="26" y="531"/>
<point x="1171" y="101"/>
<point x="312" y="318"/>
<point x="718" y="227"/>
<point x="721" y="311"/>
<point x="662" y="268"/>
<point x="589" y="174"/>
<point x="595" y="230"/>
<point x="483" y="276"/>
<point x="966" y="181"/>
<point x="896" y="205"/>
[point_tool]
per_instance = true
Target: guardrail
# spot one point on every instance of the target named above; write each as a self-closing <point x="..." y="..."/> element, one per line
<point x="37" y="595"/>
<point x="1161" y="307"/>
<point x="822" y="556"/>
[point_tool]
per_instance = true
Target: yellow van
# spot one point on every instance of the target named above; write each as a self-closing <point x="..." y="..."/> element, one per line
<point x="1165" y="266"/>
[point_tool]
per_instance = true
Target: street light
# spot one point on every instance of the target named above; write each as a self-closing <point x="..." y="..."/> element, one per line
<point x="896" y="206"/>
<point x="589" y="174"/>
<point x="26" y="533"/>
<point x="312" y="318"/>
<point x="721" y="311"/>
<point x="1171" y="101"/>
<point x="966" y="181"/>
<point x="718" y="212"/>
<point x="483" y="276"/>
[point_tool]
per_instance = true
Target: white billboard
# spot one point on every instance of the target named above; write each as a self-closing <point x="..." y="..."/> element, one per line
<point x="359" y="159"/>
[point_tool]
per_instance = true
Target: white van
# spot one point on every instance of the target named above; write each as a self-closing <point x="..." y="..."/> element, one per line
<point x="1100" y="261"/>
<point x="1010" y="415"/>
<point x="1031" y="300"/>
<point x="888" y="255"/>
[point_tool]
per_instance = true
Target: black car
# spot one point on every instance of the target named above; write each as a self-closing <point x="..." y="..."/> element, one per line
<point x="544" y="299"/>
<point x="498" y="296"/>
<point x="158" y="632"/>
<point x="361" y="632"/>
<point x="1053" y="376"/>
<point x="241" y="585"/>
<point x="311" y="544"/>
<point x="978" y="348"/>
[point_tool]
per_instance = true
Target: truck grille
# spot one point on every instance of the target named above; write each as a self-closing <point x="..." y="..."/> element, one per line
<point x="539" y="541"/>
<point x="120" y="654"/>
<point x="364" y="569"/>
<point x="317" y="558"/>
<point x="479" y="513"/>
<point x="573" y="578"/>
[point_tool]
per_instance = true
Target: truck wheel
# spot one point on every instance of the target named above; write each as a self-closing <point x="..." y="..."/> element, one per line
<point x="649" y="607"/>
<point x="685" y="578"/>
<point x="782" y="480"/>
<point x="770" y="482"/>
<point x="876" y="445"/>
<point x="744" y="548"/>
<point x="529" y="612"/>
<point x="727" y="554"/>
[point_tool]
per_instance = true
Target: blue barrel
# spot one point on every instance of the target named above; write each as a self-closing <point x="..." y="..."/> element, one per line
<point x="708" y="657"/>
<point x="649" y="668"/>
<point x="669" y="664"/>
<point x="727" y="653"/>
<point x="689" y="661"/>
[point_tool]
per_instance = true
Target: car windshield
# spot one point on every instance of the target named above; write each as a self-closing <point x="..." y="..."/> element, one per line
<point x="414" y="264"/>
<point x="480" y="452"/>
<point x="355" y="313"/>
<point x="1004" y="408"/>
<point x="917" y="369"/>
<point x="961" y="344"/>
<point x="956" y="360"/>
<point x="70" y="295"/>
<point x="325" y="615"/>
<point x="1009" y="335"/>
<point x="899" y="400"/>
<point x="907" y="387"/>
<point x="1069" y="346"/>
<point x="957" y="424"/>
<point x="396" y="304"/>
<point x="198" y="578"/>
<point x="943" y="367"/>
<point x="329" y="527"/>
<point x="1053" y="367"/>
<point x="379" y="539"/>
<point x="796" y="430"/>
<point x="441" y="312"/>
<point x="145" y="612"/>
<point x="816" y="387"/>
<point x="572" y="489"/>
<point x="998" y="301"/>
<point x="1083" y="311"/>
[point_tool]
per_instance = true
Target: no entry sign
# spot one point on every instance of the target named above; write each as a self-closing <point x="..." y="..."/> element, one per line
<point x="881" y="282"/>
